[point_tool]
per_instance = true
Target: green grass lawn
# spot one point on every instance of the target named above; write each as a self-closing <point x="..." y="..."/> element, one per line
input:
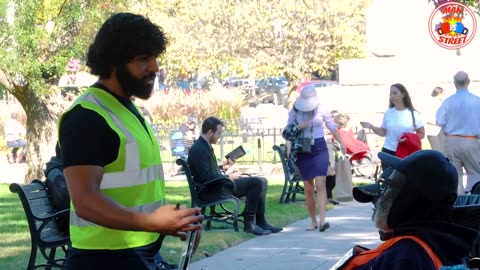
<point x="15" y="237"/>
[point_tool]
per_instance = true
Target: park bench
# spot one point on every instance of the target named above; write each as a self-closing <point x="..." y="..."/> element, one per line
<point x="44" y="230"/>
<point x="229" y="205"/>
<point x="291" y="186"/>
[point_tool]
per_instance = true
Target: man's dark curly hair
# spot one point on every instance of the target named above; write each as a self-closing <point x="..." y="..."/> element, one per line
<point x="122" y="37"/>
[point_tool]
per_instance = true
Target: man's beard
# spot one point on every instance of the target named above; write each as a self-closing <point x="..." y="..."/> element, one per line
<point x="133" y="86"/>
<point x="382" y="209"/>
<point x="213" y="140"/>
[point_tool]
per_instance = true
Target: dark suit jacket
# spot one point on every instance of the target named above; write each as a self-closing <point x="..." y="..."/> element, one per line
<point x="203" y="166"/>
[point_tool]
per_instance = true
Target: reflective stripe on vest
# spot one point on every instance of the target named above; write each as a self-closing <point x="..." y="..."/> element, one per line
<point x="134" y="180"/>
<point x="366" y="256"/>
<point x="146" y="208"/>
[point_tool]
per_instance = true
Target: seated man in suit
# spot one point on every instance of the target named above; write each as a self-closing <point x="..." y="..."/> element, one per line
<point x="203" y="166"/>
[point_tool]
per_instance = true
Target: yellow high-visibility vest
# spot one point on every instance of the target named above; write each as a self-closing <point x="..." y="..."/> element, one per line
<point x="135" y="179"/>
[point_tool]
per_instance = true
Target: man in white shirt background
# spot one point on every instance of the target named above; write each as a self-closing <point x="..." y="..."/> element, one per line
<point x="458" y="117"/>
<point x="14" y="136"/>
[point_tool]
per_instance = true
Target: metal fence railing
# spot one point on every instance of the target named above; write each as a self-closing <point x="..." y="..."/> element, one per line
<point x="255" y="139"/>
<point x="257" y="142"/>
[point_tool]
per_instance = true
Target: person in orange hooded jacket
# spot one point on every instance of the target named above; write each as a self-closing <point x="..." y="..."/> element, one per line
<point x="413" y="210"/>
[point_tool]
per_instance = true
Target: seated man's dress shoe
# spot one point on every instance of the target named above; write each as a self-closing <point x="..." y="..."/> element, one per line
<point x="269" y="227"/>
<point x="251" y="227"/>
<point x="332" y="201"/>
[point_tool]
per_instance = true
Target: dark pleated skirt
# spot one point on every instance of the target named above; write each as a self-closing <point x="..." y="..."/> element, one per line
<point x="314" y="164"/>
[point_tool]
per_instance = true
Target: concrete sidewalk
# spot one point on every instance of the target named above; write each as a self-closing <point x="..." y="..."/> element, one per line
<point x="295" y="248"/>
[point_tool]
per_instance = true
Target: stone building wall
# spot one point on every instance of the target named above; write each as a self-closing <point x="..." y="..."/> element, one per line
<point x="399" y="30"/>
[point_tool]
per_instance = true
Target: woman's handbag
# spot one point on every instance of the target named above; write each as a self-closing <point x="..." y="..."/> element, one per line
<point x="307" y="143"/>
<point x="343" y="189"/>
<point x="411" y="144"/>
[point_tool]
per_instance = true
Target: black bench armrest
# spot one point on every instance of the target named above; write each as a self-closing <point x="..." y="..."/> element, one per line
<point x="48" y="218"/>
<point x="218" y="179"/>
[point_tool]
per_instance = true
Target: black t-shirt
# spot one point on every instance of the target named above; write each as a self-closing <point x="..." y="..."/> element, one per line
<point x="86" y="138"/>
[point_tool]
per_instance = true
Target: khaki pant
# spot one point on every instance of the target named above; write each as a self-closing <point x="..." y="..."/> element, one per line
<point x="464" y="153"/>
<point x="437" y="142"/>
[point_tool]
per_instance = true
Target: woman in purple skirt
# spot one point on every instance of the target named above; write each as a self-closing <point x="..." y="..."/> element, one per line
<point x="310" y="117"/>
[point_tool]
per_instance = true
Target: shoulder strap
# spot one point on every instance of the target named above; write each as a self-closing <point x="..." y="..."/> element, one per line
<point x="413" y="120"/>
<point x="369" y="255"/>
<point x="309" y="114"/>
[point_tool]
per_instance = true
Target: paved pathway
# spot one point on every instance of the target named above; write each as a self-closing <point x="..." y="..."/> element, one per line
<point x="11" y="173"/>
<point x="295" y="248"/>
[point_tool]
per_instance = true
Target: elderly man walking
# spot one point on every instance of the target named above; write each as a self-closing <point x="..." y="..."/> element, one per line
<point x="459" y="117"/>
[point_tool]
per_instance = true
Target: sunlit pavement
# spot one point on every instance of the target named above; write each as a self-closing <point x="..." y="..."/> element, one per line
<point x="11" y="173"/>
<point x="295" y="248"/>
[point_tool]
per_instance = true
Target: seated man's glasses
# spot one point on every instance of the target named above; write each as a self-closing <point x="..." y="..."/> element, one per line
<point x="383" y="184"/>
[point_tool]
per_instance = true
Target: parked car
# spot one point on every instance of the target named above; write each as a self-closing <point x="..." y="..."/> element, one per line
<point x="237" y="84"/>
<point x="317" y="84"/>
<point x="272" y="89"/>
<point x="191" y="85"/>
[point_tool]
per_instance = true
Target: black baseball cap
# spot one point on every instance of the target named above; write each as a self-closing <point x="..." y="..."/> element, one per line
<point x="430" y="176"/>
<point x="428" y="172"/>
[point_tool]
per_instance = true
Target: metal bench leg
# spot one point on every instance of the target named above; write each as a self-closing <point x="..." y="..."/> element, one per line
<point x="284" y="193"/>
<point x="235" y="216"/>
<point x="33" y="256"/>
<point x="289" y="193"/>
<point x="51" y="259"/>
<point x="296" y="189"/>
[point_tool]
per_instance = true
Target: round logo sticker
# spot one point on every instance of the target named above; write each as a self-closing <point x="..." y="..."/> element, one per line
<point x="452" y="25"/>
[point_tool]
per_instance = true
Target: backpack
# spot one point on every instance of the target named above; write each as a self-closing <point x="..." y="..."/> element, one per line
<point x="57" y="188"/>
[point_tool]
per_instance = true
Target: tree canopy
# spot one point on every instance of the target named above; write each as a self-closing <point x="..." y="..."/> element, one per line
<point x="39" y="37"/>
<point x="267" y="36"/>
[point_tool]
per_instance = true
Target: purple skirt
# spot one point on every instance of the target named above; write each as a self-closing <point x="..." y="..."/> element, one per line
<point x="314" y="164"/>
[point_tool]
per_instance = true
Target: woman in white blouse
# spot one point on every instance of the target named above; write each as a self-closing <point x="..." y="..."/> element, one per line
<point x="400" y="118"/>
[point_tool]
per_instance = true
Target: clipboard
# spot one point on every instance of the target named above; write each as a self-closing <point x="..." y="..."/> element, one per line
<point x="236" y="153"/>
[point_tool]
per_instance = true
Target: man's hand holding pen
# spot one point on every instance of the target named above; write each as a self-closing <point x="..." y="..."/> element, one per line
<point x="175" y="220"/>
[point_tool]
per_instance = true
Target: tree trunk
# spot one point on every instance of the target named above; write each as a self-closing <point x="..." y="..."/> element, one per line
<point x="42" y="115"/>
<point x="41" y="135"/>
